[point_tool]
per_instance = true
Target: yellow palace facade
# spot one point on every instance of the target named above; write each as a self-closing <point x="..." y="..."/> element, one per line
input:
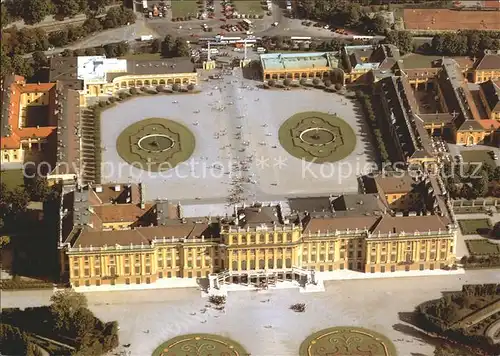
<point x="259" y="245"/>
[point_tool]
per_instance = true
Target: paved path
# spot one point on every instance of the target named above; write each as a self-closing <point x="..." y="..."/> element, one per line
<point x="167" y="313"/>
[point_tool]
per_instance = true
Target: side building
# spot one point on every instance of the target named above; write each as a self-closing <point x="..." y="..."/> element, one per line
<point x="101" y="76"/>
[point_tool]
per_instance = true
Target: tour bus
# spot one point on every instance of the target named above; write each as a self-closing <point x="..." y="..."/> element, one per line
<point x="248" y="22"/>
<point x="301" y="39"/>
<point x="362" y="38"/>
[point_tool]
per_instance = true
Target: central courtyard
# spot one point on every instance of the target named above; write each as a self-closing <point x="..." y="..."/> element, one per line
<point x="236" y="130"/>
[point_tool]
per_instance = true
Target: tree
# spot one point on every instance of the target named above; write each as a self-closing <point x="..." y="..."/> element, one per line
<point x="379" y="24"/>
<point x="156" y="45"/>
<point x="190" y="87"/>
<point x="59" y="38"/>
<point x="12" y="340"/>
<point x="82" y="323"/>
<point x="122" y="49"/>
<point x="90" y="51"/>
<point x="480" y="186"/>
<point x="176" y="87"/>
<point x="338" y="86"/>
<point x="95" y="7"/>
<point x="111" y="50"/>
<point x="37" y="188"/>
<point x="327" y="82"/>
<point x="287" y="82"/>
<point x="181" y="48"/>
<point x="271" y="83"/>
<point x="401" y="39"/>
<point x="316" y="81"/>
<point x="34" y="11"/>
<point x="21" y="66"/>
<point x="65" y="303"/>
<point x="66" y="8"/>
<point x="92" y="25"/>
<point x="167" y="46"/>
<point x="6" y="67"/>
<point x="67" y="53"/>
<point x="303" y="81"/>
<point x="39" y="60"/>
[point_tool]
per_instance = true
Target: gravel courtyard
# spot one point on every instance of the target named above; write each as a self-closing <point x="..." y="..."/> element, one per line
<point x="370" y="303"/>
<point x="233" y="121"/>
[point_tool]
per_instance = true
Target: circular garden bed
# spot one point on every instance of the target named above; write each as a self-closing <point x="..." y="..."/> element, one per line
<point x="200" y="345"/>
<point x="346" y="340"/>
<point x="155" y="144"/>
<point x="317" y="137"/>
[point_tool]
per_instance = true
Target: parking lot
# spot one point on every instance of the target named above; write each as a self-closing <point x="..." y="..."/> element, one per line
<point x="237" y="155"/>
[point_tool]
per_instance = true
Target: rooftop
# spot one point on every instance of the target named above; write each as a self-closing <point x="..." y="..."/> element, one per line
<point x="410" y="224"/>
<point x="330" y="225"/>
<point x="395" y="184"/>
<point x="491" y="91"/>
<point x="297" y="61"/>
<point x="144" y="235"/>
<point x="489" y="61"/>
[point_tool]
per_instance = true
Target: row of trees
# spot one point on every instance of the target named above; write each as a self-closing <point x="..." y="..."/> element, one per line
<point x="462" y="43"/>
<point x="27" y="40"/>
<point x="342" y="13"/>
<point x="15" y="342"/>
<point x="35" y="11"/>
<point x="68" y="319"/>
<point x="468" y="182"/>
<point x="366" y="105"/>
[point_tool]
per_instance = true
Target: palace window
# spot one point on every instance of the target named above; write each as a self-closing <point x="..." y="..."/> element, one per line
<point x="76" y="272"/>
<point x="137" y="270"/>
<point x="127" y="270"/>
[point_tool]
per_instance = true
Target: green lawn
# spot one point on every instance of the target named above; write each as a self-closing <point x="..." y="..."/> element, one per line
<point x="317" y="137"/>
<point x="183" y="8"/>
<point x="478" y="156"/>
<point x="349" y="339"/>
<point x="155" y="144"/>
<point x="203" y="344"/>
<point x="249" y="7"/>
<point x="12" y="178"/>
<point x="482" y="247"/>
<point x="475" y="226"/>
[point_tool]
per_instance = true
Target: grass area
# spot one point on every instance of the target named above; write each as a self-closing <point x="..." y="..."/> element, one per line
<point x="478" y="156"/>
<point x="183" y="8"/>
<point x="143" y="56"/>
<point x="140" y="145"/>
<point x="349" y="339"/>
<point x="482" y="247"/>
<point x="202" y="343"/>
<point x="474" y="226"/>
<point x="469" y="209"/>
<point x="249" y="7"/>
<point x="12" y="178"/>
<point x="317" y="137"/>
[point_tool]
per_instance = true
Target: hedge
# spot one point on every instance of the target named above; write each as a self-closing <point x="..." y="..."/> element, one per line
<point x="11" y="284"/>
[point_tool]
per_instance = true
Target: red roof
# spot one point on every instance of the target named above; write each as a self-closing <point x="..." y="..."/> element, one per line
<point x="18" y="87"/>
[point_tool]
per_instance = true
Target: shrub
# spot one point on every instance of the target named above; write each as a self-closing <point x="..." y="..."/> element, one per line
<point x="218" y="300"/>
<point x="287" y="82"/>
<point x="190" y="87"/>
<point x="338" y="86"/>
<point x="134" y="91"/>
<point x="123" y="95"/>
<point x="271" y="83"/>
<point x="112" y="99"/>
<point x="328" y="83"/>
<point x="316" y="81"/>
<point x="298" y="307"/>
<point x="176" y="87"/>
<point x="160" y="88"/>
<point x="303" y="81"/>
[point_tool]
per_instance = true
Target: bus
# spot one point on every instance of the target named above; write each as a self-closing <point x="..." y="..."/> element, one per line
<point x="301" y="39"/>
<point x="362" y="38"/>
<point x="248" y="22"/>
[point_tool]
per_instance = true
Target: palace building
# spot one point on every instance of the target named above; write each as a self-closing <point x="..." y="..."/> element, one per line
<point x="111" y="237"/>
<point x="40" y="123"/>
<point x="101" y="76"/>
